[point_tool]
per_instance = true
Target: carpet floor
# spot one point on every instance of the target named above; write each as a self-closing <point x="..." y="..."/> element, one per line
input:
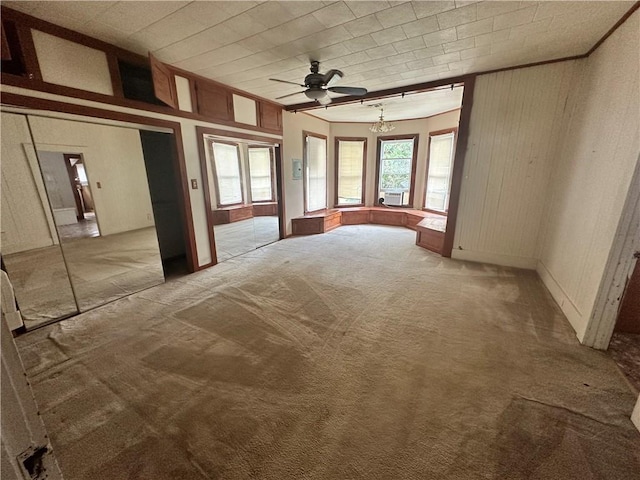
<point x="349" y="355"/>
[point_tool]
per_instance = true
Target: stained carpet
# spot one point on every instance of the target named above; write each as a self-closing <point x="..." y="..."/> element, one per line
<point x="349" y="355"/>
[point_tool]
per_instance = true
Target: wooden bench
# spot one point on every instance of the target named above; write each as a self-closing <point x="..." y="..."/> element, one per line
<point x="232" y="214"/>
<point x="430" y="227"/>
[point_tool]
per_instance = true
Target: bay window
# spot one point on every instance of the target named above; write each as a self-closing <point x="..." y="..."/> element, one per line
<point x="315" y="172"/>
<point x="350" y="171"/>
<point x="439" y="170"/>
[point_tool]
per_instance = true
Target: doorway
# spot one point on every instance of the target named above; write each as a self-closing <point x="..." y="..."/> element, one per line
<point x="160" y="162"/>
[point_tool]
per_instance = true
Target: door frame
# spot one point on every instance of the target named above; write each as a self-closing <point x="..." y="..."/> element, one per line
<point x="619" y="267"/>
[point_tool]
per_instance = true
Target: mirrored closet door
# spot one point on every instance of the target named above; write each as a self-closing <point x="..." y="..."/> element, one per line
<point x="77" y="219"/>
<point x="243" y="194"/>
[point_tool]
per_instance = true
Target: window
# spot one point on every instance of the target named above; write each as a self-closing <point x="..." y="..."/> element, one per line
<point x="396" y="169"/>
<point x="226" y="168"/>
<point x="438" y="189"/>
<point x="261" y="174"/>
<point x="350" y="168"/>
<point x="315" y="172"/>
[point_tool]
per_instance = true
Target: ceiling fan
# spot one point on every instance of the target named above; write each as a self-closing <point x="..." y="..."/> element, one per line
<point x="317" y="85"/>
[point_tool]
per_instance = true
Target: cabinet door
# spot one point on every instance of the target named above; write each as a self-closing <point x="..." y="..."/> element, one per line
<point x="163" y="82"/>
<point x="214" y="102"/>
<point x="270" y="116"/>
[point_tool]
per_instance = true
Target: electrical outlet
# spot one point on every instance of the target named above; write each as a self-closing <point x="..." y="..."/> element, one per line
<point x="194" y="184"/>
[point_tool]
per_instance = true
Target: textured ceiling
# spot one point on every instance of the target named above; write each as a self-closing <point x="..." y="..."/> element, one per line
<point x="377" y="44"/>
<point x="413" y="105"/>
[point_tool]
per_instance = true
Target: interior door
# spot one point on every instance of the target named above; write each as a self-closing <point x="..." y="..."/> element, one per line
<point x="629" y="315"/>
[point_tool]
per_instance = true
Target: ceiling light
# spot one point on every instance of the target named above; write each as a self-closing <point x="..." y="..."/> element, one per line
<point x="381" y="126"/>
<point x="315" y="93"/>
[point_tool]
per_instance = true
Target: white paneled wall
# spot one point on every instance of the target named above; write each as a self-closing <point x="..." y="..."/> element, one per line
<point x="517" y="121"/>
<point x="592" y="174"/>
<point x="26" y="219"/>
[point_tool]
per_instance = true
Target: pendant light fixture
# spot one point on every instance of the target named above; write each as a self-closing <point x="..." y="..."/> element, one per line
<point x="381" y="126"/>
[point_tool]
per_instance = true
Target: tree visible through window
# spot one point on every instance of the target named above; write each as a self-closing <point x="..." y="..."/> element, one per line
<point x="396" y="163"/>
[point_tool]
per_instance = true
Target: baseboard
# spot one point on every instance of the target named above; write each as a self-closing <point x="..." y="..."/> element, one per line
<point x="570" y="310"/>
<point x="635" y="416"/>
<point x="495" y="259"/>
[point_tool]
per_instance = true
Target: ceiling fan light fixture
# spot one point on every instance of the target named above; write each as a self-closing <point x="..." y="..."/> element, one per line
<point x="381" y="126"/>
<point x="315" y="94"/>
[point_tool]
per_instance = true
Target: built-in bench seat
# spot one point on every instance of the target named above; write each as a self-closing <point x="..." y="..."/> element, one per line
<point x="430" y="227"/>
<point x="235" y="213"/>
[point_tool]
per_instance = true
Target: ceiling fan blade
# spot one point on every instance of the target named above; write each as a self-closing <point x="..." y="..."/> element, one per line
<point x="286" y="81"/>
<point x="326" y="100"/>
<point x="290" y="95"/>
<point x="332" y="77"/>
<point x="349" y="90"/>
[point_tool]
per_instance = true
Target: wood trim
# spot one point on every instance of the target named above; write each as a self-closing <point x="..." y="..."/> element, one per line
<point x="623" y="19"/>
<point x="414" y="161"/>
<point x="6" y="50"/>
<point x="240" y="135"/>
<point x="458" y="165"/>
<point x="305" y="187"/>
<point x="70" y="108"/>
<point x="204" y="172"/>
<point x="277" y="153"/>
<point x="271" y="169"/>
<point x="453" y="130"/>
<point x="336" y="152"/>
<point x="116" y="79"/>
<point x="72" y="180"/>
<point x="29" y="54"/>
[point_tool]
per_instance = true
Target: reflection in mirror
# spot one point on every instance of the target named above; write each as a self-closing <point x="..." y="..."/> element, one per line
<point x="263" y="194"/>
<point x="242" y="183"/>
<point x="96" y="181"/>
<point x="31" y="252"/>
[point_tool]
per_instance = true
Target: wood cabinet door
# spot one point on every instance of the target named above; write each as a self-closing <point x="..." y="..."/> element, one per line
<point x="214" y="102"/>
<point x="270" y="116"/>
<point x="163" y="82"/>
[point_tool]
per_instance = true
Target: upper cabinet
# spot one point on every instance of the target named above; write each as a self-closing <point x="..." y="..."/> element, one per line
<point x="214" y="101"/>
<point x="269" y="116"/>
<point x="163" y="83"/>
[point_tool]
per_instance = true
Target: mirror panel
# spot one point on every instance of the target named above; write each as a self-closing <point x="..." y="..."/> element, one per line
<point x="264" y="197"/>
<point x="31" y="253"/>
<point x="232" y="212"/>
<point x="96" y="181"/>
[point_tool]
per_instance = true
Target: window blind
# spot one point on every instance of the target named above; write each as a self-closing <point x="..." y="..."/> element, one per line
<point x="316" y="173"/>
<point x="260" y="174"/>
<point x="228" y="175"/>
<point x="439" y="175"/>
<point x="350" y="171"/>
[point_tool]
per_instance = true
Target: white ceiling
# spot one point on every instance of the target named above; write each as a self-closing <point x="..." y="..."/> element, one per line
<point x="412" y="105"/>
<point x="377" y="44"/>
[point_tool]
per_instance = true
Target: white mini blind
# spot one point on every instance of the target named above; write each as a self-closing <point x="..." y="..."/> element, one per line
<point x="228" y="176"/>
<point x="316" y="173"/>
<point x="350" y="171"/>
<point x="439" y="175"/>
<point x="260" y="174"/>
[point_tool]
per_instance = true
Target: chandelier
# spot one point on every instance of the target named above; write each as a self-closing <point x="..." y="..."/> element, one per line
<point x="381" y="126"/>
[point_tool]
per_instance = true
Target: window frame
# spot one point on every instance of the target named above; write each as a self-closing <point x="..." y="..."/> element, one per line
<point x="414" y="161"/>
<point x="305" y="187"/>
<point x="453" y="130"/>
<point x="337" y="170"/>
<point x="214" y="171"/>
<point x="271" y="168"/>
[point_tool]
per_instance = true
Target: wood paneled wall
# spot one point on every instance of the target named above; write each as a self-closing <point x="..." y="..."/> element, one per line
<point x="517" y="121"/>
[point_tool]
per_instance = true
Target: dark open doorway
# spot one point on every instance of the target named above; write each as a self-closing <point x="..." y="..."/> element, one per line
<point x="159" y="158"/>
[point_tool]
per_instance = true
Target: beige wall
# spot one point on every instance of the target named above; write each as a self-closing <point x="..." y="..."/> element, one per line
<point x="517" y="121"/>
<point x="26" y="218"/>
<point x="73" y="65"/>
<point x="112" y="156"/>
<point x="421" y="126"/>
<point x="293" y="126"/>
<point x="592" y="174"/>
